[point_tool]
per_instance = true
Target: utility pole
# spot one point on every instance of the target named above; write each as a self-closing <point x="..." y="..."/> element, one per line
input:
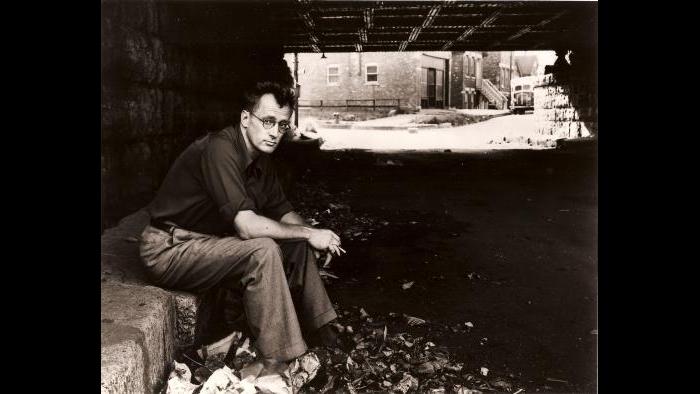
<point x="510" y="78"/>
<point x="296" y="81"/>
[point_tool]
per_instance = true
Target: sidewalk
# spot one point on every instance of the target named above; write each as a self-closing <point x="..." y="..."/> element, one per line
<point x="398" y="122"/>
<point x="502" y="132"/>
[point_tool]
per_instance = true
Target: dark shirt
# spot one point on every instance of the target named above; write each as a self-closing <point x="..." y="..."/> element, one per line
<point x="209" y="183"/>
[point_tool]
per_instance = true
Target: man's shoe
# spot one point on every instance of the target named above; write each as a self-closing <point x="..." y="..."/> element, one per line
<point x="327" y="335"/>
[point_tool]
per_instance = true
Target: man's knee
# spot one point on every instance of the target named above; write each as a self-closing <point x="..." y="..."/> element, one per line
<point x="265" y="252"/>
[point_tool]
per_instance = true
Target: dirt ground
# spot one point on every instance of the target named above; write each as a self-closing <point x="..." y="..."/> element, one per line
<point x="506" y="240"/>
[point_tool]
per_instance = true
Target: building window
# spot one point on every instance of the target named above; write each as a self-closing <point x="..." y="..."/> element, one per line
<point x="333" y="74"/>
<point x="371" y="74"/>
<point x="472" y="66"/>
<point x="469" y="65"/>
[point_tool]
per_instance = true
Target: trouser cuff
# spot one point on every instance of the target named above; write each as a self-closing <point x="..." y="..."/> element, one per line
<point x="323" y="319"/>
<point x="286" y="353"/>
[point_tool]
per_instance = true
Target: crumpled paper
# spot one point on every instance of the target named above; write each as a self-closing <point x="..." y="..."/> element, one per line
<point x="302" y="370"/>
<point x="179" y="380"/>
<point x="224" y="380"/>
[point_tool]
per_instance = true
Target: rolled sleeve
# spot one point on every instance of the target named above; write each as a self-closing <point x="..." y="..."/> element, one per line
<point x="222" y="172"/>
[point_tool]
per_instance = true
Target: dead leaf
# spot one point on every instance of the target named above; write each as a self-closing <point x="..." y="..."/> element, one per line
<point x="363" y="313"/>
<point x="324" y="273"/>
<point x="327" y="262"/>
<point x="407" y="285"/>
<point x="407" y="383"/>
<point x="414" y="321"/>
<point x="502" y="384"/>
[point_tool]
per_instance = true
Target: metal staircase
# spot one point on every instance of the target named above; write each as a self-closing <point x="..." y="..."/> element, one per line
<point x="493" y="95"/>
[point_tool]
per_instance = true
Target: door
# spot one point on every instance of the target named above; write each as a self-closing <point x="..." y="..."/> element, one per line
<point x="431" y="88"/>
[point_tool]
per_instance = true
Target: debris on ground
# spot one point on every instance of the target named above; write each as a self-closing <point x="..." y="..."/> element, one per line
<point x="332" y="211"/>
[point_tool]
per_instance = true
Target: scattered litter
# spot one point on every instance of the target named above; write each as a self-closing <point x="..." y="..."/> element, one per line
<point x="484" y="371"/>
<point x="273" y="384"/>
<point x="324" y="273"/>
<point x="414" y="321"/>
<point x="502" y="384"/>
<point x="519" y="391"/>
<point x="557" y="380"/>
<point x="244" y="349"/>
<point x="363" y="313"/>
<point x="469" y="324"/>
<point x="179" y="380"/>
<point x="407" y="383"/>
<point x="327" y="261"/>
<point x="221" y="380"/>
<point x="302" y="370"/>
<point x="407" y="285"/>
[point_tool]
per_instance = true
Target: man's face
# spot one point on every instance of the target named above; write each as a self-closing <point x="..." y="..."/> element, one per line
<point x="259" y="138"/>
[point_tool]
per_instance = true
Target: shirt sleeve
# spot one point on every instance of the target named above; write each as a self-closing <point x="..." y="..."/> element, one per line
<point x="222" y="172"/>
<point x="277" y="204"/>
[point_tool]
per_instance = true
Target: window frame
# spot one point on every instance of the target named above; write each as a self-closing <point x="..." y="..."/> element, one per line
<point x="367" y="74"/>
<point x="328" y="75"/>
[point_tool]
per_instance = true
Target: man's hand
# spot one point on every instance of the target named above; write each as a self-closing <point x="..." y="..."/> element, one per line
<point x="322" y="239"/>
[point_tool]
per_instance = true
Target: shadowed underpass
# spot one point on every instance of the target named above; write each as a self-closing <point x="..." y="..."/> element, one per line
<point x="506" y="240"/>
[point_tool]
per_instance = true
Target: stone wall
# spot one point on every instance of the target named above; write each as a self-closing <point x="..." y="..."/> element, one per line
<point x="163" y="85"/>
<point x="566" y="108"/>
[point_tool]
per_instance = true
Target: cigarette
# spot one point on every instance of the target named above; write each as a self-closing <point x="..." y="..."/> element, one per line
<point x="342" y="249"/>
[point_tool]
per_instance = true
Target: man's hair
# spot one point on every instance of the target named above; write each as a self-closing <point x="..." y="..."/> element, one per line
<point x="273" y="77"/>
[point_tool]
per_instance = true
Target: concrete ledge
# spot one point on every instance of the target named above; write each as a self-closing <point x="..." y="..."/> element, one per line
<point x="144" y="315"/>
<point x="142" y="325"/>
<point x="122" y="368"/>
<point x="121" y="264"/>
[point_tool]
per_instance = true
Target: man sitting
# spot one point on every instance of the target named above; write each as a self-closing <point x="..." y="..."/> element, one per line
<point x="221" y="221"/>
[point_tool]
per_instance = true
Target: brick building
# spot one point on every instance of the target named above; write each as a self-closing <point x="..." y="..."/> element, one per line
<point x="465" y="80"/>
<point x="408" y="79"/>
<point x="499" y="68"/>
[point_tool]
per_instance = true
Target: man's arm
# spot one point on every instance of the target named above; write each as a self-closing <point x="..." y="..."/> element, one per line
<point x="250" y="225"/>
<point x="292" y="217"/>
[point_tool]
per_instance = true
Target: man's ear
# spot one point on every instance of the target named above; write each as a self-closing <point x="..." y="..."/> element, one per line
<point x="245" y="118"/>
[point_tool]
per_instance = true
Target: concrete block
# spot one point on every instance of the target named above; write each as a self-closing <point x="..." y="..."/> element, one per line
<point x="122" y="368"/>
<point x="146" y="315"/>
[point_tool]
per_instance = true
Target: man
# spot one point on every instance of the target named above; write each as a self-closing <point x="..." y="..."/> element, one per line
<point x="221" y="220"/>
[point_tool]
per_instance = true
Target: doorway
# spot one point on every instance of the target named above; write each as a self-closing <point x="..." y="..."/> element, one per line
<point x="432" y="88"/>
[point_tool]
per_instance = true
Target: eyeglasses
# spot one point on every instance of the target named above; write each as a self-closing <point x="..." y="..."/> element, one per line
<point x="283" y="126"/>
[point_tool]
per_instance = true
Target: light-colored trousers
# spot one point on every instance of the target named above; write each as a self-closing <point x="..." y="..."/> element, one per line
<point x="273" y="282"/>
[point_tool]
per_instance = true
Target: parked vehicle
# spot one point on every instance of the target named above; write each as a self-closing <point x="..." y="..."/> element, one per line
<point x="522" y="95"/>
